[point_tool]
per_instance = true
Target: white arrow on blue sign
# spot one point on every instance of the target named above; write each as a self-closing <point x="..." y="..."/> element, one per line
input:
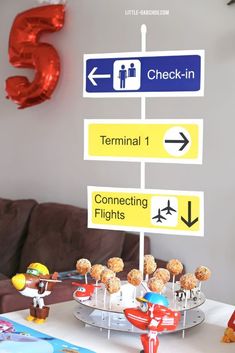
<point x="150" y="74"/>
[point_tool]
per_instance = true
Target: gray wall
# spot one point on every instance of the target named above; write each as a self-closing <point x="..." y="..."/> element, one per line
<point x="41" y="148"/>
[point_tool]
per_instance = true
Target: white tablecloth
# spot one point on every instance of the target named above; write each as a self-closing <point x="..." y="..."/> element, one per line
<point x="204" y="338"/>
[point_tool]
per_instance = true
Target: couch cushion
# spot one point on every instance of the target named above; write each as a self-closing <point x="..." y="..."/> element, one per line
<point x="58" y="236"/>
<point x="98" y="245"/>
<point x="14" y="216"/>
<point x="2" y="277"/>
<point x="130" y="251"/>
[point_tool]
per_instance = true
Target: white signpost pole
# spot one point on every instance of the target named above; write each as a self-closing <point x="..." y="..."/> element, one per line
<point x="142" y="164"/>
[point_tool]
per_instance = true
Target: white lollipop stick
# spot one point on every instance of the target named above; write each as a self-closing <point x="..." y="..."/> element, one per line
<point x="185" y="314"/>
<point x="146" y="277"/>
<point x="143" y="284"/>
<point x="109" y="322"/>
<point x="110" y="301"/>
<point x="86" y="278"/>
<point x="186" y="302"/>
<point x="134" y="294"/>
<point x="184" y="322"/>
<point x="174" y="300"/>
<point x="173" y="283"/>
<point x="105" y="293"/>
<point x="96" y="290"/>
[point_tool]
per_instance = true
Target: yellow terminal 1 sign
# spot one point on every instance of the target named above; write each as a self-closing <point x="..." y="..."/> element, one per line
<point x="151" y="140"/>
<point x="154" y="211"/>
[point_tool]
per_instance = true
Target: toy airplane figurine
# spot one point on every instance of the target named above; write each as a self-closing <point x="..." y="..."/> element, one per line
<point x="152" y="315"/>
<point x="229" y="334"/>
<point x="84" y="291"/>
<point x="36" y="283"/>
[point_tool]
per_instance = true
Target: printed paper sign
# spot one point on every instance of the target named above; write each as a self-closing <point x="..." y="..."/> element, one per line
<point x="152" y="140"/>
<point x="154" y="211"/>
<point x="150" y="74"/>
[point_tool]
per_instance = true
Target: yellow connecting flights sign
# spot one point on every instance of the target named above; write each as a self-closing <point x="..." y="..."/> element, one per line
<point x="154" y="211"/>
<point x="152" y="140"/>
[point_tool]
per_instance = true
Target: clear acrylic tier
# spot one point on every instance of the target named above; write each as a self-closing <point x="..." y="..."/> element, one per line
<point x="106" y="311"/>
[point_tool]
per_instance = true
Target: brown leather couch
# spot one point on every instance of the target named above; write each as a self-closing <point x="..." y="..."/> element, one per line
<point x="55" y="235"/>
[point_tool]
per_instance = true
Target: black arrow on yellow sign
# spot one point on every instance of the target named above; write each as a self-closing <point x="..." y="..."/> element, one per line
<point x="184" y="141"/>
<point x="189" y="221"/>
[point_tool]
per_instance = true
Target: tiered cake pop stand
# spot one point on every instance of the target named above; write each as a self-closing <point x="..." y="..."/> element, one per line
<point x="106" y="312"/>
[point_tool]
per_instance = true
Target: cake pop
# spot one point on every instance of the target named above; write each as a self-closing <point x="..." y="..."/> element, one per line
<point x="135" y="278"/>
<point x="106" y="275"/>
<point x="188" y="281"/>
<point x="115" y="264"/>
<point x="202" y="273"/>
<point x="149" y="265"/>
<point x="175" y="267"/>
<point x="163" y="274"/>
<point x="83" y="266"/>
<point x="96" y="271"/>
<point x="113" y="285"/>
<point x="155" y="285"/>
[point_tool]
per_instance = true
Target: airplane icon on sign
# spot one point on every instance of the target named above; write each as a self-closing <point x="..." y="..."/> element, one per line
<point x="169" y="209"/>
<point x="164" y="211"/>
<point x="159" y="217"/>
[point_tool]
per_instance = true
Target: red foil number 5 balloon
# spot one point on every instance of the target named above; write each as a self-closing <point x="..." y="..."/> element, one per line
<point x="25" y="51"/>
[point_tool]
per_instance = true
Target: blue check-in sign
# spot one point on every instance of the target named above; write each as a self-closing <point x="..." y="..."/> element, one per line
<point x="150" y="74"/>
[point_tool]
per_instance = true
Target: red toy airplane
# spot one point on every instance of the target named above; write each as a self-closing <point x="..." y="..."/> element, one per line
<point x="152" y="315"/>
<point x="84" y="291"/>
<point x="231" y="323"/>
<point x="229" y="333"/>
